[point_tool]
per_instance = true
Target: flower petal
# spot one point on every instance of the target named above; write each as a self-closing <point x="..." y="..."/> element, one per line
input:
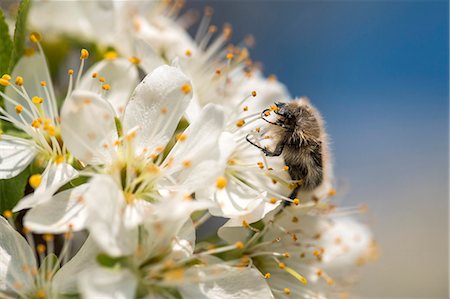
<point x="56" y="215"/>
<point x="88" y="128"/>
<point x="65" y="280"/>
<point x="156" y="107"/>
<point x="120" y="74"/>
<point x="53" y="177"/>
<point x="33" y="69"/>
<point x="235" y="284"/>
<point x="150" y="60"/>
<point x="15" y="155"/>
<point x="15" y="253"/>
<point x="107" y="283"/>
<point x="106" y="206"/>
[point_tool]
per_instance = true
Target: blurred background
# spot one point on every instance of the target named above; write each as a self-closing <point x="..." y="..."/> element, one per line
<point x="378" y="72"/>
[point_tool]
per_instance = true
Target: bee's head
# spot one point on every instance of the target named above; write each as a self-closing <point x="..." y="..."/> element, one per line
<point x="284" y="110"/>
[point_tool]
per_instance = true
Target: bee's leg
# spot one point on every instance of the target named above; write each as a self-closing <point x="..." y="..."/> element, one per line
<point x="278" y="150"/>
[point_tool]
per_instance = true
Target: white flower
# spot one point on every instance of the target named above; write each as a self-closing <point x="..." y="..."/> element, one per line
<point x="161" y="263"/>
<point x="308" y="253"/>
<point x="31" y="106"/>
<point x="20" y="276"/>
<point x="135" y="162"/>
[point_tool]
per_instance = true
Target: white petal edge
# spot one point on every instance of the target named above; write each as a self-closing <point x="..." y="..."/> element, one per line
<point x="15" y="155"/>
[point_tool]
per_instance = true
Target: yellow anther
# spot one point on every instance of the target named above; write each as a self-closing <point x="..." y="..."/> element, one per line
<point x="37" y="100"/>
<point x="188" y="197"/>
<point x="110" y="55"/>
<point x="84" y="54"/>
<point x="286" y="254"/>
<point x="40" y="248"/>
<point x="134" y="60"/>
<point x="102" y="79"/>
<point x="4" y="82"/>
<point x="70" y="72"/>
<point x="187" y="163"/>
<point x="19" y="109"/>
<point x="36" y="123"/>
<point x="231" y="162"/>
<point x="7" y="214"/>
<point x="129" y="197"/>
<point x="188" y="53"/>
<point x="164" y="110"/>
<point x="48" y="237"/>
<point x="6" y="77"/>
<point x="94" y="75"/>
<point x="286" y="168"/>
<point x="230" y="56"/>
<point x="240" y="123"/>
<point x="28" y="52"/>
<point x="152" y="168"/>
<point x="130" y="136"/>
<point x="272" y="77"/>
<point x="19" y="81"/>
<point x="273" y="200"/>
<point x="181" y="137"/>
<point x="43" y="83"/>
<point x="274" y="108"/>
<point x="281" y="265"/>
<point x="221" y="182"/>
<point x="296" y="201"/>
<point x="106" y="87"/>
<point x="245" y="224"/>
<point x="218" y="71"/>
<point x="59" y="159"/>
<point x="186" y="88"/>
<point x="245" y="108"/>
<point x="267" y="275"/>
<point x="287" y="291"/>
<point x="26" y="230"/>
<point x="257" y="130"/>
<point x="35" y="37"/>
<point x="35" y="180"/>
<point x="260" y="165"/>
<point x="40" y="294"/>
<point x="212" y="29"/>
<point x="267" y="113"/>
<point x="332" y="192"/>
<point x="239" y="245"/>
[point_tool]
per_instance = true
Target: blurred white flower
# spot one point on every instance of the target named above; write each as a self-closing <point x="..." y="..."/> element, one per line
<point x="27" y="272"/>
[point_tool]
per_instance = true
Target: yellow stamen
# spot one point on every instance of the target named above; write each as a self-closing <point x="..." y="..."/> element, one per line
<point x="19" y="81"/>
<point x="102" y="79"/>
<point x="84" y="54"/>
<point x="70" y="72"/>
<point x="240" y="123"/>
<point x="239" y="245"/>
<point x="230" y="56"/>
<point x="221" y="182"/>
<point x="7" y="214"/>
<point x="188" y="53"/>
<point x="294" y="273"/>
<point x="187" y="163"/>
<point x="48" y="237"/>
<point x="186" y="88"/>
<point x="134" y="60"/>
<point x="273" y="200"/>
<point x="106" y="87"/>
<point x="37" y="100"/>
<point x="6" y="77"/>
<point x="94" y="75"/>
<point x="59" y="159"/>
<point x="35" y="37"/>
<point x="4" y="82"/>
<point x="40" y="248"/>
<point x="19" y="109"/>
<point x="110" y="55"/>
<point x="286" y="168"/>
<point x="35" y="180"/>
<point x="43" y="83"/>
<point x="267" y="275"/>
<point x="253" y="93"/>
<point x="40" y="294"/>
<point x="181" y="137"/>
<point x="287" y="291"/>
<point x="245" y="108"/>
<point x="296" y="201"/>
<point x="281" y="265"/>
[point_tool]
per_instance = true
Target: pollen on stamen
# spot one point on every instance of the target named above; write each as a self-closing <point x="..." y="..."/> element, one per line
<point x="240" y="123"/>
<point x="102" y="79"/>
<point x="35" y="180"/>
<point x="48" y="237"/>
<point x="84" y="54"/>
<point x="186" y="88"/>
<point x="40" y="294"/>
<point x="245" y="108"/>
<point x="296" y="201"/>
<point x="43" y="83"/>
<point x="70" y="72"/>
<point x="230" y="56"/>
<point x="239" y="245"/>
<point x="4" y="82"/>
<point x="35" y="37"/>
<point x="287" y="291"/>
<point x="19" y="81"/>
<point x="273" y="200"/>
<point x="36" y="123"/>
<point x="253" y="93"/>
<point x="187" y="163"/>
<point x="164" y="110"/>
<point x="260" y="165"/>
<point x="134" y="60"/>
<point x="285" y="168"/>
<point x="267" y="113"/>
<point x="281" y="265"/>
<point x="6" y="77"/>
<point x="59" y="159"/>
<point x="19" y="109"/>
<point x="221" y="182"/>
<point x="188" y="53"/>
<point x="40" y="248"/>
<point x="106" y="87"/>
<point x="7" y="214"/>
<point x="110" y="55"/>
<point x="267" y="275"/>
<point x="181" y="137"/>
<point x="37" y="100"/>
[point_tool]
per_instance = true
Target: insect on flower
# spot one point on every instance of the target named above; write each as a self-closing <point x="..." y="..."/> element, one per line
<point x="300" y="137"/>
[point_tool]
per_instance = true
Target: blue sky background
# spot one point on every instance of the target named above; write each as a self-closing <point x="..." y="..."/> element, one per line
<point x="378" y="72"/>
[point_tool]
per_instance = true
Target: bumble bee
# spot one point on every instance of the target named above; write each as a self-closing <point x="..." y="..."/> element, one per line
<point x="299" y="136"/>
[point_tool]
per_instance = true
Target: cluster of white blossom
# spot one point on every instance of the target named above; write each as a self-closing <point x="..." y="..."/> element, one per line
<point x="144" y="147"/>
